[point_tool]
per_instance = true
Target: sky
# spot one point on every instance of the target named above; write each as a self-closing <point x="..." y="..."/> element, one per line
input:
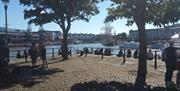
<point x="16" y="20"/>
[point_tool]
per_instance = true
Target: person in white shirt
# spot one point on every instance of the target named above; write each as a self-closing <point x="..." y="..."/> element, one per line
<point x="150" y="55"/>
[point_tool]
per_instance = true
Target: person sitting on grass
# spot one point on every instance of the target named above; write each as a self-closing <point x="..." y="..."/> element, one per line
<point x="96" y="51"/>
<point x="150" y="55"/>
<point x="86" y="51"/>
<point x="129" y="53"/>
<point x="135" y="55"/>
<point x="81" y="53"/>
<point x="120" y="53"/>
<point x="106" y="52"/>
<point x="18" y="55"/>
<point x="100" y="52"/>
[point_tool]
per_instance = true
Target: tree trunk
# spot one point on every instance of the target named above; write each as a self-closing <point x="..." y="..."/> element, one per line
<point x="142" y="63"/>
<point x="65" y="46"/>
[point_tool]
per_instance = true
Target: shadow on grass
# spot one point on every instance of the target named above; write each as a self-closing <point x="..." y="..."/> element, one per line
<point x="26" y="76"/>
<point x="110" y="86"/>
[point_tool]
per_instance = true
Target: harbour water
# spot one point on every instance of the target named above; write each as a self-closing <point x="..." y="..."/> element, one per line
<point x="74" y="47"/>
<point x="54" y="48"/>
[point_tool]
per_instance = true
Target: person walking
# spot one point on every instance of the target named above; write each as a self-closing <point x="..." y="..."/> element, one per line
<point x="34" y="54"/>
<point x="170" y="61"/>
<point x="135" y="55"/>
<point x="43" y="56"/>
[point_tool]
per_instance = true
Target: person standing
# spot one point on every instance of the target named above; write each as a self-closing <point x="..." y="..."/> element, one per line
<point x="170" y="59"/>
<point x="25" y="55"/>
<point x="34" y="54"/>
<point x="43" y="56"/>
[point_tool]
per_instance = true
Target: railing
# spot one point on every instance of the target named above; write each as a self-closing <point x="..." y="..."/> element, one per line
<point x="54" y="51"/>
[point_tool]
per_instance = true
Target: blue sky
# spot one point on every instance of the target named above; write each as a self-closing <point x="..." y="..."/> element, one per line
<point x="16" y="20"/>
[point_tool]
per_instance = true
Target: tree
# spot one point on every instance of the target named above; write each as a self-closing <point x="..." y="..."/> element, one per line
<point x="61" y="12"/>
<point x="141" y="12"/>
<point x="121" y="36"/>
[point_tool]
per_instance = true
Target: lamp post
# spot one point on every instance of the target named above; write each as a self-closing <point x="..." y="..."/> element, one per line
<point x="6" y="2"/>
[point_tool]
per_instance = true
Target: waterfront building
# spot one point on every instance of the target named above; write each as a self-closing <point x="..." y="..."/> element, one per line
<point x="82" y="37"/>
<point x="159" y="34"/>
<point x="20" y="36"/>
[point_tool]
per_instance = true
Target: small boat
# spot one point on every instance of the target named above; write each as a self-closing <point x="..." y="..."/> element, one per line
<point x="109" y="43"/>
<point x="157" y="46"/>
<point x="131" y="45"/>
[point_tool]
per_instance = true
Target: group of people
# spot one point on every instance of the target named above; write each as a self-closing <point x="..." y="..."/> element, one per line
<point x="85" y="51"/>
<point x="98" y="51"/>
<point x="150" y="55"/>
<point x="34" y="53"/>
<point x="169" y="56"/>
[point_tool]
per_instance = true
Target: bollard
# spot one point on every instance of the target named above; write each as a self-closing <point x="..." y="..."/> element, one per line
<point x="70" y="52"/>
<point x="155" y="60"/>
<point x="124" y="56"/>
<point x="102" y="54"/>
<point x="52" y="53"/>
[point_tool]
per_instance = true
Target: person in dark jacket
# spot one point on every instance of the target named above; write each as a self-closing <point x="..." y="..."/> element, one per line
<point x="18" y="55"/>
<point x="135" y="55"/>
<point x="170" y="61"/>
<point x="34" y="54"/>
<point x="129" y="53"/>
<point x="43" y="56"/>
<point x="25" y="54"/>
<point x="86" y="51"/>
<point x="120" y="53"/>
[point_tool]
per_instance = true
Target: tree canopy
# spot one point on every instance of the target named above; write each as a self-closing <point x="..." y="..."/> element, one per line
<point x="61" y="12"/>
<point x="122" y="36"/>
<point x="157" y="12"/>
